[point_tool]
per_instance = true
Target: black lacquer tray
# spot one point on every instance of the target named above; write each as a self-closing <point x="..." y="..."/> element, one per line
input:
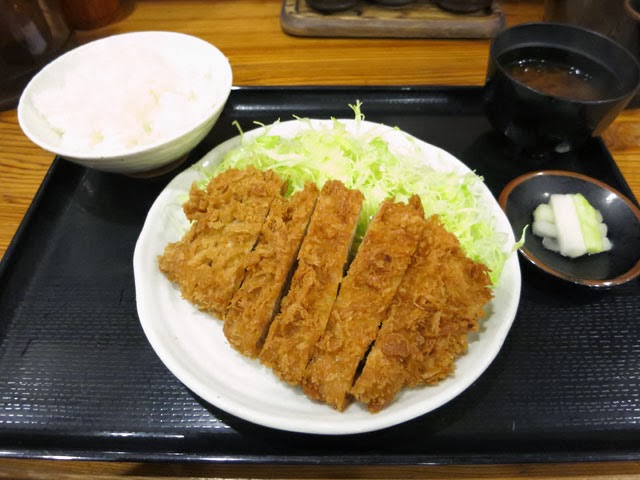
<point x="78" y="378"/>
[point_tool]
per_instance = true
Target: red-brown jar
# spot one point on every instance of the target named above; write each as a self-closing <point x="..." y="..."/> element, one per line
<point x="90" y="14"/>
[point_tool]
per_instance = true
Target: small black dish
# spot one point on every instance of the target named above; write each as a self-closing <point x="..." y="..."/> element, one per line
<point x="464" y="6"/>
<point x="550" y="86"/>
<point x="603" y="270"/>
<point x="393" y="3"/>
<point x="331" y="6"/>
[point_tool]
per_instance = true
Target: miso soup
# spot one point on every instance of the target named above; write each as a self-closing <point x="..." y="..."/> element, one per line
<point x="561" y="73"/>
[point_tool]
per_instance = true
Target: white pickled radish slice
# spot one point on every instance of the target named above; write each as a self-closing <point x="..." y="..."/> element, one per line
<point x="570" y="241"/>
<point x="543" y="228"/>
<point x="543" y="213"/>
<point x="603" y="230"/>
<point x="551" y="244"/>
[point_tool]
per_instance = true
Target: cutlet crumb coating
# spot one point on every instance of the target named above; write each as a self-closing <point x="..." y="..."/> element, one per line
<point x="256" y="301"/>
<point x="439" y="301"/>
<point x="440" y="363"/>
<point x="363" y="300"/>
<point x="274" y="270"/>
<point x="208" y="262"/>
<point x="321" y="260"/>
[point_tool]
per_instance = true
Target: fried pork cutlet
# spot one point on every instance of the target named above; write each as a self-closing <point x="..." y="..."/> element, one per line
<point x="365" y="295"/>
<point x="321" y="261"/>
<point x="256" y="301"/>
<point x="440" y="363"/>
<point x="208" y="262"/>
<point x="439" y="301"/>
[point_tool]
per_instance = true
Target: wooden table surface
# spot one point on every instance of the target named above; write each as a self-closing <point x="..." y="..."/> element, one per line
<point x="249" y="33"/>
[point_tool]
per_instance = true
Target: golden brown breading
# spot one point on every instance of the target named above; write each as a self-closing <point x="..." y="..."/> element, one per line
<point x="256" y="301"/>
<point x="401" y="315"/>
<point x="439" y="301"/>
<point x="363" y="300"/>
<point x="321" y="260"/>
<point x="208" y="262"/>
<point x="440" y="362"/>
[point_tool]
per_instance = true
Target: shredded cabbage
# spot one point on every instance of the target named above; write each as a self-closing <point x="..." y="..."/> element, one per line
<point x="364" y="161"/>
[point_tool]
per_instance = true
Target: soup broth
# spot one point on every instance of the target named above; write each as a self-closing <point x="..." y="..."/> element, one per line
<point x="560" y="73"/>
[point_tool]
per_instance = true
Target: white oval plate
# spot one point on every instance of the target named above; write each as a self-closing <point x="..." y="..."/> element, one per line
<point x="193" y="347"/>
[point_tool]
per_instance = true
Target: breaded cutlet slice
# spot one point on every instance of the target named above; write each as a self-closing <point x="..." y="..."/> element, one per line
<point x="255" y="303"/>
<point x="468" y="292"/>
<point x="365" y="295"/>
<point x="208" y="262"/>
<point x="321" y="261"/>
<point x="440" y="299"/>
<point x="440" y="362"/>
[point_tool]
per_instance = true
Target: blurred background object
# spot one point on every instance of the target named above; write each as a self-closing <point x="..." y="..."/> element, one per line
<point x="90" y="14"/>
<point x="613" y="18"/>
<point x="393" y="3"/>
<point x="393" y="18"/>
<point x="464" y="6"/>
<point x="329" y="6"/>
<point x="32" y="32"/>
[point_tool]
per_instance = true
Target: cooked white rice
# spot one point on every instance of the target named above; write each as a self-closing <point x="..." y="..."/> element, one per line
<point x="116" y="99"/>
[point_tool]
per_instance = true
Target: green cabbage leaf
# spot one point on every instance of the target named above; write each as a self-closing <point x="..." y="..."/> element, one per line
<point x="365" y="161"/>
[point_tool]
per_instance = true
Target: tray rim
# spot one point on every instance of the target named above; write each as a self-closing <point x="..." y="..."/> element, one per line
<point x="77" y="453"/>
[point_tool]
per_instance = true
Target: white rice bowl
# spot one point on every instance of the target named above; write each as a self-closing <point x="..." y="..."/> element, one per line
<point x="128" y="103"/>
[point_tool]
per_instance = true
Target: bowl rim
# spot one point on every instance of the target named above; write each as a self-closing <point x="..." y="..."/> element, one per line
<point x="221" y="61"/>
<point x="625" y="277"/>
<point x="567" y="27"/>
